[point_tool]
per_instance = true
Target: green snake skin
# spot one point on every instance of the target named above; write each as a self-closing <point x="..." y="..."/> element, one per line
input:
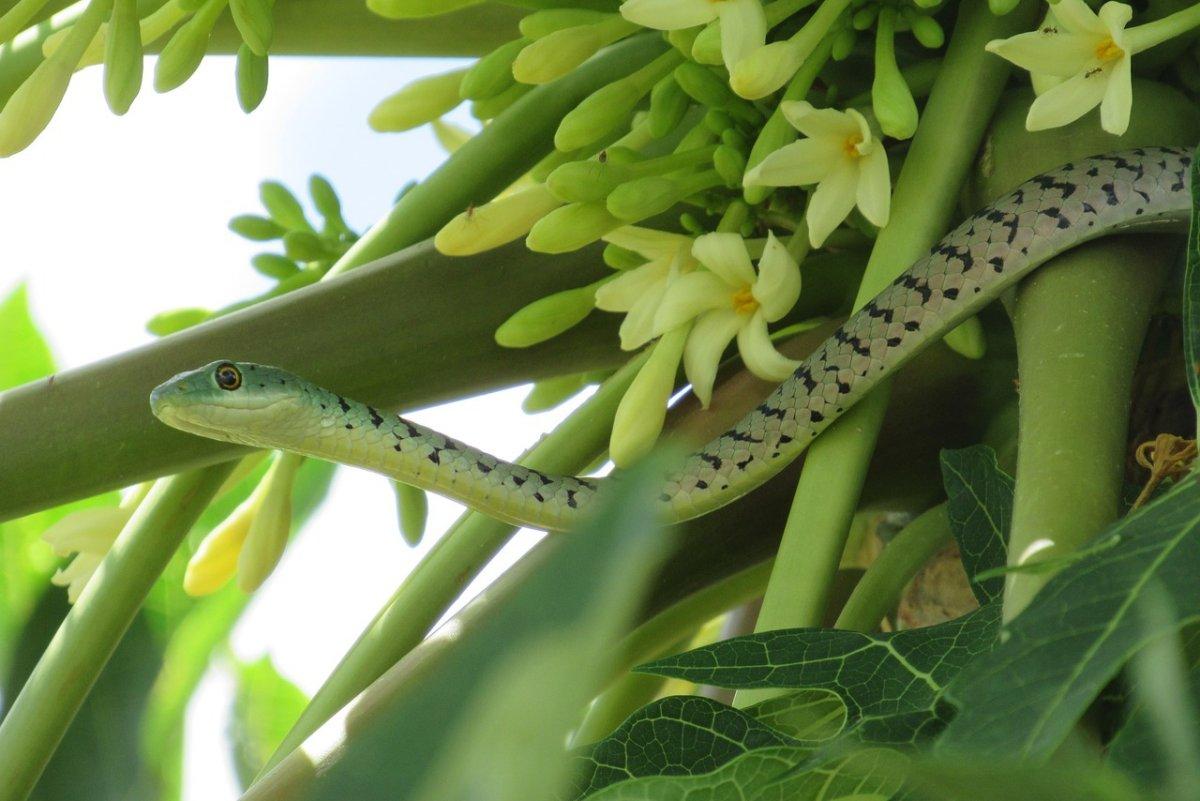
<point x="973" y="265"/>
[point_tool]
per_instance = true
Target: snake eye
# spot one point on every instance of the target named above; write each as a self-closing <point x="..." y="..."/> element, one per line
<point x="228" y="377"/>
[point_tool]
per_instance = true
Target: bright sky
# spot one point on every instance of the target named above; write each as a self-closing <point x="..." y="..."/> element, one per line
<point x="111" y="220"/>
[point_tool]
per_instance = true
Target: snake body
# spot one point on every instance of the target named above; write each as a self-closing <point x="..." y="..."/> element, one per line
<point x="970" y="267"/>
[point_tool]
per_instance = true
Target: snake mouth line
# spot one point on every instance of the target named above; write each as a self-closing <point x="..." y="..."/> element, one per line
<point x="171" y="413"/>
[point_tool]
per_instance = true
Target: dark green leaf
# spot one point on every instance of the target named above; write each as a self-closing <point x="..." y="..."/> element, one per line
<point x="264" y="708"/>
<point x="1022" y="699"/>
<point x="979" y="504"/>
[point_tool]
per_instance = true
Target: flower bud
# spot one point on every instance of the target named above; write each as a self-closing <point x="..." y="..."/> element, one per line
<point x="730" y="165"/>
<point x="215" y="561"/>
<point x="251" y="72"/>
<point x="557" y="53"/>
<point x="644" y="197"/>
<point x="304" y="246"/>
<point x="1002" y="7"/>
<point x="123" y="56"/>
<point x="891" y="99"/>
<point x="283" y="207"/>
<point x="703" y="85"/>
<point x="668" y="104"/>
<point x="407" y="9"/>
<point x="492" y="107"/>
<point x="274" y="266"/>
<point x="255" y="228"/>
<point x="843" y="44"/>
<point x="547" y="21"/>
<point x="546" y="317"/>
<point x="640" y="414"/>
<point x="183" y="52"/>
<point x="271" y="526"/>
<point x="968" y="339"/>
<point x="492" y="74"/>
<point x="682" y="39"/>
<point x="864" y="18"/>
<point x="570" y="228"/>
<point x="717" y="121"/>
<point x="496" y="223"/>
<point x="620" y="258"/>
<point x="598" y="113"/>
<point x="551" y="392"/>
<point x="450" y="136"/>
<point x="169" y="322"/>
<point x="926" y="30"/>
<point x="325" y="199"/>
<point x="706" y="49"/>
<point x="586" y="181"/>
<point x="412" y="511"/>
<point x="416" y="104"/>
<point x="766" y="69"/>
<point x="255" y="22"/>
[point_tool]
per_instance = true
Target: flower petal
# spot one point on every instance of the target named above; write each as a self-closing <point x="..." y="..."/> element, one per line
<point x="1059" y="54"/>
<point x="798" y="164"/>
<point x="1118" y="97"/>
<point x="1066" y="102"/>
<point x="623" y="291"/>
<point x="669" y="15"/>
<point x="688" y="296"/>
<point x="1077" y="17"/>
<point x="725" y="254"/>
<point x="818" y="122"/>
<point x="759" y="354"/>
<point x="638" y="326"/>
<point x="832" y="202"/>
<point x="778" y="286"/>
<point x="647" y="241"/>
<point x="710" y="336"/>
<point x="743" y="29"/>
<point x="640" y="413"/>
<point x="874" y="195"/>
<point x="1115" y="16"/>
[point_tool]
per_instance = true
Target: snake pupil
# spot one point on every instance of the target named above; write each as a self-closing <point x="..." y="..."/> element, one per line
<point x="228" y="377"/>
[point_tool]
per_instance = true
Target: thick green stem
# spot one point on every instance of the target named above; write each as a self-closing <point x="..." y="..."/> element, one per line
<point x="952" y="125"/>
<point x="878" y="590"/>
<point x="501" y="153"/>
<point x="456" y="559"/>
<point x="88" y="635"/>
<point x="1079" y="325"/>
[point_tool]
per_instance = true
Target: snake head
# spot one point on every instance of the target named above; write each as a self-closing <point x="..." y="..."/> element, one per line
<point x="227" y="400"/>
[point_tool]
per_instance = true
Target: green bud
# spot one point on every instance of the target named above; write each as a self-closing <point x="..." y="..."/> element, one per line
<point x="668" y="104"/>
<point x="123" y="56"/>
<point x="551" y="392"/>
<point x="707" y="47"/>
<point x="412" y="511"/>
<point x="730" y="165"/>
<point x="682" y="39"/>
<point x="547" y="21"/>
<point x="927" y="31"/>
<point x="450" y="136"/>
<point x="967" y="339"/>
<point x="251" y="75"/>
<point x="620" y="155"/>
<point x="586" y="181"/>
<point x="620" y="258"/>
<point x="570" y="228"/>
<point x="1002" y="7"/>
<point x="408" y="9"/>
<point x="304" y="246"/>
<point x="255" y="22"/>
<point x="689" y="223"/>
<point x="735" y="138"/>
<point x="643" y="408"/>
<point x="283" y="207"/>
<point x="717" y="121"/>
<point x="843" y="44"/>
<point x="169" y="322"/>
<point x="272" y="265"/>
<point x="183" y="52"/>
<point x="255" y="228"/>
<point x="494" y="224"/>
<point x="703" y="85"/>
<point x="492" y="107"/>
<point x="598" y="114"/>
<point x="645" y="197"/>
<point x="547" y="317"/>
<point x="416" y="104"/>
<point x="271" y="526"/>
<point x="864" y="18"/>
<point x="557" y="53"/>
<point x="891" y="99"/>
<point x="492" y="74"/>
<point x="325" y="200"/>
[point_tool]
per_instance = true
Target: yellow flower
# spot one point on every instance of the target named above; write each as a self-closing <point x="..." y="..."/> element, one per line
<point x="638" y="291"/>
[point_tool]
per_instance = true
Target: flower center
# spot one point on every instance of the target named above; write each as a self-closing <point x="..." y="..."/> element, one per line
<point x="850" y="146"/>
<point x="1108" y="50"/>
<point x="744" y="302"/>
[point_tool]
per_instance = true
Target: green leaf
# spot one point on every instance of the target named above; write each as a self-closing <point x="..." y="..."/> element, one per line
<point x="539" y="650"/>
<point x="804" y="715"/>
<point x="1023" y="698"/>
<point x="890" y="682"/>
<point x="979" y="504"/>
<point x="678" y="734"/>
<point x="1191" y="294"/>
<point x="264" y="708"/>
<point x="986" y="780"/>
<point x="26" y="354"/>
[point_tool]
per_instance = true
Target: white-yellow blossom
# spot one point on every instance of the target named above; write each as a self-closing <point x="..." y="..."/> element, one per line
<point x="638" y="291"/>
<point x="89" y="535"/>
<point x="727" y="300"/>
<point x="841" y="156"/>
<point x="743" y="23"/>
<point x="1089" y="53"/>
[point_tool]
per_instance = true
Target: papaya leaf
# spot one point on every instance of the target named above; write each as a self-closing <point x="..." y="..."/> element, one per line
<point x="804" y="714"/>
<point x="1022" y="699"/>
<point x="265" y="706"/>
<point x="979" y="504"/>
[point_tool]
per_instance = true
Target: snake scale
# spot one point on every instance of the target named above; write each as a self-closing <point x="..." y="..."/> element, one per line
<point x="269" y="408"/>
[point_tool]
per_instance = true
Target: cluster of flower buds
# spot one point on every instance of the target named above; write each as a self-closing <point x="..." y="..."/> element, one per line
<point x="114" y="32"/>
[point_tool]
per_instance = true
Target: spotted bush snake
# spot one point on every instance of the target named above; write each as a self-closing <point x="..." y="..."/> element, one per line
<point x="267" y="407"/>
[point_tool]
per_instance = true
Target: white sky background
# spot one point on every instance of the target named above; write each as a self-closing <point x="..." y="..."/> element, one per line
<point x="111" y="220"/>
